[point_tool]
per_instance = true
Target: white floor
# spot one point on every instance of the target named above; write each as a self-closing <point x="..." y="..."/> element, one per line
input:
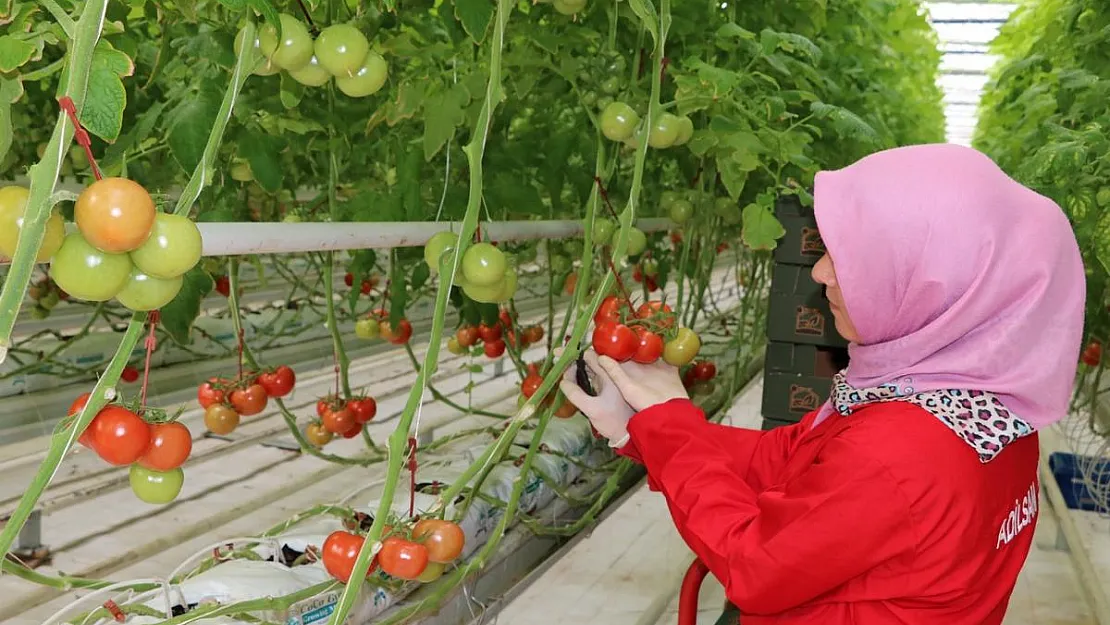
<point x="628" y="571"/>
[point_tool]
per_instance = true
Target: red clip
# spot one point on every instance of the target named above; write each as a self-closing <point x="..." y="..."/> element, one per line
<point x="117" y="613"/>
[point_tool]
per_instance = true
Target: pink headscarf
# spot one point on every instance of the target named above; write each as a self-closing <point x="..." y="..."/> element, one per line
<point x="956" y="277"/>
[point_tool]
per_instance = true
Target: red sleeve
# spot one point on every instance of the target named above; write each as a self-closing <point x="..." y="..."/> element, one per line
<point x="758" y="456"/>
<point x="785" y="547"/>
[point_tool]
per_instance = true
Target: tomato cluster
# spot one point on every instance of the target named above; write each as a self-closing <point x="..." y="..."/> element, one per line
<point x="494" y="338"/>
<point x="642" y="336"/>
<point x="420" y="553"/>
<point x="1092" y="354"/>
<point x="531" y="383"/>
<point x="367" y="285"/>
<point x="46" y="296"/>
<point x="226" y="401"/>
<point x="604" y="229"/>
<point x="154" y="451"/>
<point x="377" y="325"/>
<point x="485" y="275"/>
<point x="619" y="121"/>
<point x="123" y="248"/>
<point x="338" y="416"/>
<point x="340" y="51"/>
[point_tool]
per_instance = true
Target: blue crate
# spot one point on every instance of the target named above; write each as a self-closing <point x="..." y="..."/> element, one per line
<point x="1066" y="469"/>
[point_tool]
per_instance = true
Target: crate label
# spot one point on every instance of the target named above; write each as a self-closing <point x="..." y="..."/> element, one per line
<point x="809" y="321"/>
<point x="812" y="245"/>
<point x="803" y="399"/>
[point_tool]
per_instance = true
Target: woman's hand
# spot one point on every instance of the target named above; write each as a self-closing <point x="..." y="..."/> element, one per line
<point x="644" y="386"/>
<point x="608" y="412"/>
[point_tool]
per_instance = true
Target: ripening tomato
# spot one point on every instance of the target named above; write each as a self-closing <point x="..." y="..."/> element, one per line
<point x="249" y="400"/>
<point x="454" y="347"/>
<point x="704" y="370"/>
<point x="402" y="558"/>
<point x="494" y="349"/>
<point x="317" y="434"/>
<point x="221" y="419"/>
<point x="156" y="487"/>
<point x="170" y="446"/>
<point x="363" y="409"/>
<point x="366" y="287"/>
<point x="13" y="205"/>
<point x="467" y="336"/>
<point x="338" y="421"/>
<point x="443" y="539"/>
<point x="279" y="382"/>
<point x="533" y="335"/>
<point x="433" y="572"/>
<point x="682" y="349"/>
<point x="339" y="553"/>
<point x="570" y="284"/>
<point x="530" y="385"/>
<point x="121" y="436"/>
<point x="650" y="346"/>
<point x="490" y="333"/>
<point x="207" y="395"/>
<point x="324" y="405"/>
<point x="401" y="335"/>
<point x="115" y="215"/>
<point x="566" y="409"/>
<point x="615" y="340"/>
<point x="75" y="408"/>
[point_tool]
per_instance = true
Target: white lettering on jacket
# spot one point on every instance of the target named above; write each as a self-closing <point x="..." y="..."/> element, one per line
<point x="1021" y="516"/>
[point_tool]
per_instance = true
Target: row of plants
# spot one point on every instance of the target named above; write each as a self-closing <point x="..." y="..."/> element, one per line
<point x="1043" y="118"/>
<point x="471" y="111"/>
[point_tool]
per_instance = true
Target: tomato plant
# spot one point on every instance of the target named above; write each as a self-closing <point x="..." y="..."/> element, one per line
<point x="170" y="446"/>
<point x="402" y="558"/>
<point x="279" y="382"/>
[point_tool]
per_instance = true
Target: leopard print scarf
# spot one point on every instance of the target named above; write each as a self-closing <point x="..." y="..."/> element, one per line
<point x="977" y="417"/>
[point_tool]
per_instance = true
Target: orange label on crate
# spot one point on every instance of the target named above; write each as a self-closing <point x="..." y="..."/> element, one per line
<point x="809" y="321"/>
<point x="803" y="399"/>
<point x="812" y="245"/>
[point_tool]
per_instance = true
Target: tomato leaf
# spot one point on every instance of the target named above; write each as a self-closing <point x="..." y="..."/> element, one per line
<point x="14" y="53"/>
<point x="761" y="229"/>
<point x="362" y="263"/>
<point x="263" y="153"/>
<point x="645" y="10"/>
<point x="291" y="91"/>
<point x="178" y="316"/>
<point x="191" y="123"/>
<point x="475" y="16"/>
<point x="10" y="91"/>
<point x="102" y="114"/>
<point x="444" y="112"/>
<point x="733" y="175"/>
<point x="420" y="274"/>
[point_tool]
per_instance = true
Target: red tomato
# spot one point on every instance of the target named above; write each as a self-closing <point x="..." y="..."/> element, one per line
<point x="530" y="385"/>
<point x="250" y="400"/>
<point x="363" y="409"/>
<point x="367" y="286"/>
<point x="340" y="552"/>
<point x="324" y="406"/>
<point x="349" y="279"/>
<point x="533" y="335"/>
<point x="490" y="333"/>
<point x="658" y="312"/>
<point x="278" y="382"/>
<point x="129" y="374"/>
<point x="610" y="310"/>
<point x="637" y="275"/>
<point x="402" y="558"/>
<point x="704" y="371"/>
<point x="354" y="431"/>
<point x="510" y="338"/>
<point x="650" y="346"/>
<point x="120" y="436"/>
<point x="533" y="368"/>
<point x="688" y="379"/>
<point x="379" y="314"/>
<point x="339" y="421"/>
<point x="652" y="285"/>
<point x="1092" y="355"/>
<point x="722" y="247"/>
<point x="615" y="340"/>
<point x="223" y="286"/>
<point x="506" y="318"/>
<point x="494" y="349"/>
<point x="401" y="335"/>
<point x="75" y="408"/>
<point x="443" y="539"/>
<point x="676" y="237"/>
<point x="170" y="446"/>
<point x="207" y="395"/>
<point x="467" y="336"/>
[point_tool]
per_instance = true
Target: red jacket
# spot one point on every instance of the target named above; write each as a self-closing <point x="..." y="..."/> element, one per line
<point x="882" y="517"/>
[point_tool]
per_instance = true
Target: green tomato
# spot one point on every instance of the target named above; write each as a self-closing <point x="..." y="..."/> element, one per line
<point x="569" y="7"/>
<point x="142" y="292"/>
<point x="680" y="211"/>
<point x="50" y="300"/>
<point x="86" y="273"/>
<point x="727" y="209"/>
<point x="38" y="313"/>
<point x="13" y="204"/>
<point x="611" y="85"/>
<point x="312" y="74"/>
<point x="574" y="248"/>
<point x="664" y="132"/>
<point x="483" y="265"/>
<point x="1103" y="197"/>
<point x="560" y="264"/>
<point x="241" y="170"/>
<point x="685" y="130"/>
<point x="603" y="231"/>
<point x="667" y="198"/>
<point x="604" y="102"/>
<point x="438" y="245"/>
<point x="174" y="247"/>
<point x="293" y="51"/>
<point x="367" y="80"/>
<point x="619" y="121"/>
<point x="682" y="349"/>
<point x="341" y="49"/>
<point x="637" y="242"/>
<point x="368" y="329"/>
<point x="490" y="294"/>
<point x="78" y="157"/>
<point x="650" y="267"/>
<point x="156" y="487"/>
<point x="262" y="65"/>
<point x="292" y="218"/>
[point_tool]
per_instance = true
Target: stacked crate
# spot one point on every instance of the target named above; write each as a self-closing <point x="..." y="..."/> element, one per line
<point x="804" y="349"/>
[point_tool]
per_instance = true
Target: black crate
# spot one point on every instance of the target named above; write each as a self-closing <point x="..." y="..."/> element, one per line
<point x="802" y="244"/>
<point x="770" y="424"/>
<point x="798" y="311"/>
<point x="813" y="360"/>
<point x="790" y="396"/>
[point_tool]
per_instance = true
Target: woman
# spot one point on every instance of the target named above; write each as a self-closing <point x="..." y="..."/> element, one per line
<point x="911" y="495"/>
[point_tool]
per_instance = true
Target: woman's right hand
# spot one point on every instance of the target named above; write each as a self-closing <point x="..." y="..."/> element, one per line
<point x="644" y="386"/>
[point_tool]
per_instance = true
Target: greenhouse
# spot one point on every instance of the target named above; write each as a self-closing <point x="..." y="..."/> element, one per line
<point x="615" y="312"/>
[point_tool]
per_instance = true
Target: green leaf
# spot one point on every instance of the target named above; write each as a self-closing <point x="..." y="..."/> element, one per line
<point x="733" y="175"/>
<point x="291" y="91"/>
<point x="846" y="123"/>
<point x="761" y="229"/>
<point x="443" y="113"/>
<point x="191" y="123"/>
<point x="475" y="16"/>
<point x="14" y="53"/>
<point x="266" y="9"/>
<point x="10" y="91"/>
<point x="106" y="98"/>
<point x="420" y="274"/>
<point x="263" y="153"/>
<point x="646" y="12"/>
<point x="178" y="316"/>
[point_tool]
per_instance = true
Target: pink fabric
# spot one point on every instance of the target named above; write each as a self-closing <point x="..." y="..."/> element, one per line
<point x="956" y="277"/>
